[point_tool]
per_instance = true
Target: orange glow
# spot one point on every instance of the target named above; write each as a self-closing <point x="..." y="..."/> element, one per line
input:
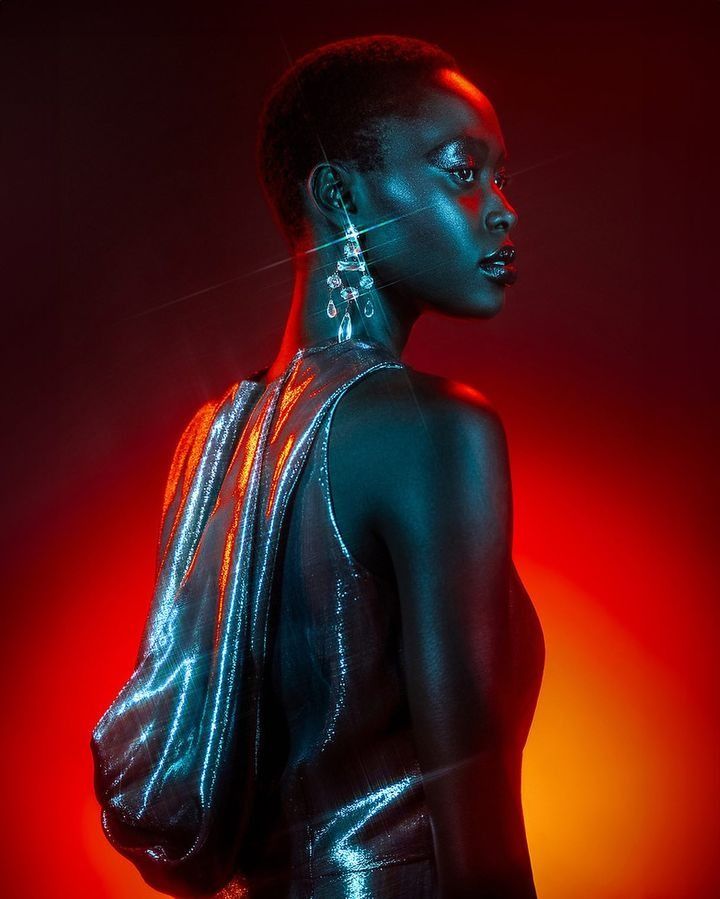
<point x="459" y="84"/>
<point x="608" y="804"/>
<point x="465" y="392"/>
<point x="187" y="457"/>
<point x="190" y="447"/>
<point x="618" y="790"/>
<point x="249" y="449"/>
<point x="277" y="473"/>
<point x="291" y="393"/>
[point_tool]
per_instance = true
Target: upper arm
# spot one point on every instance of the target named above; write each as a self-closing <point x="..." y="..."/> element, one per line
<point x="443" y="507"/>
<point x="438" y="476"/>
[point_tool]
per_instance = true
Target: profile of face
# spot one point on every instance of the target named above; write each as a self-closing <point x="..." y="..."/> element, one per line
<point x="438" y="207"/>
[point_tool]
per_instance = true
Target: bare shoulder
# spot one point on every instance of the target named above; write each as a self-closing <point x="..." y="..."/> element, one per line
<point x="416" y="458"/>
<point x="408" y="442"/>
<point x="394" y="406"/>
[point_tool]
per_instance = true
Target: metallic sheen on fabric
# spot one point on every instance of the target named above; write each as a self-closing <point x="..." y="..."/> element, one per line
<point x="178" y="753"/>
<point x="263" y="746"/>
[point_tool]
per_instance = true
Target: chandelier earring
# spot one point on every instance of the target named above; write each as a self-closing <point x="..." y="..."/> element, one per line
<point x="350" y="265"/>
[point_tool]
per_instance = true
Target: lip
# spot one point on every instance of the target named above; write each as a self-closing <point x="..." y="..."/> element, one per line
<point x="505" y="253"/>
<point x="498" y="266"/>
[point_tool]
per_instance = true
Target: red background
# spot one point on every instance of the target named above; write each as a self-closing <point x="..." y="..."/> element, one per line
<point x="134" y="244"/>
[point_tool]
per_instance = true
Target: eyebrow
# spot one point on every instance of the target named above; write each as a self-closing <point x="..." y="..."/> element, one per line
<point x="473" y="143"/>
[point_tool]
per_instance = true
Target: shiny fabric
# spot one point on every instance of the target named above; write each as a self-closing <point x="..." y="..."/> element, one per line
<point x="178" y="754"/>
<point x="351" y="817"/>
<point x="263" y="747"/>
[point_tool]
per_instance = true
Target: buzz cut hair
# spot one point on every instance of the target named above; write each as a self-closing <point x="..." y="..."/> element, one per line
<point x="330" y="105"/>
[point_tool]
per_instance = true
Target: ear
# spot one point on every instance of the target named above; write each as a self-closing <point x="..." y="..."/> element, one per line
<point x="330" y="188"/>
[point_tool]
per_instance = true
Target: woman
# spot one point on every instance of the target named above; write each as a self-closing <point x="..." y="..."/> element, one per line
<point x="396" y="659"/>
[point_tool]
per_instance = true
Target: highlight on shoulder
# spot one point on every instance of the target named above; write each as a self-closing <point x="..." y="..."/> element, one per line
<point x="394" y="422"/>
<point x="402" y="398"/>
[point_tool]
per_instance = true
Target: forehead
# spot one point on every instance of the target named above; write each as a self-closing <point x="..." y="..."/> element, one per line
<point x="447" y="108"/>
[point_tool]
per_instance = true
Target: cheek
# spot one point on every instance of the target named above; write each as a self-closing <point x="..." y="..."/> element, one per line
<point x="445" y="229"/>
<point x="419" y="224"/>
<point x="399" y="212"/>
<point x="396" y="194"/>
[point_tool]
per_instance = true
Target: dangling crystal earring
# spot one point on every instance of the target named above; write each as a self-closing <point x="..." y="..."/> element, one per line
<point x="352" y="261"/>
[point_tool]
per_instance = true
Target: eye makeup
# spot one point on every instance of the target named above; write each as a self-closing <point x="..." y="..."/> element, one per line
<point x="452" y="154"/>
<point x="462" y="151"/>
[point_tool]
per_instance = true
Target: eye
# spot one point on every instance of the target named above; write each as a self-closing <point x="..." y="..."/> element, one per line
<point x="466" y="174"/>
<point x="502" y="179"/>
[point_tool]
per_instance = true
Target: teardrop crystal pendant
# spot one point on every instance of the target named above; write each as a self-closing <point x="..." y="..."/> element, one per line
<point x="331" y="309"/>
<point x="345" y="329"/>
<point x="369" y="308"/>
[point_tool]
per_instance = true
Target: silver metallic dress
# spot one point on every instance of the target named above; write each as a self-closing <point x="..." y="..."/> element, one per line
<point x="262" y="746"/>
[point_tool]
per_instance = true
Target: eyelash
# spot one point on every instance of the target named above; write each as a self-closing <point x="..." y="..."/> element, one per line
<point x="471" y="168"/>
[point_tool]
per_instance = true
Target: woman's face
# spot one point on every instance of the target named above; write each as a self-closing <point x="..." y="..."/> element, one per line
<point x="438" y="206"/>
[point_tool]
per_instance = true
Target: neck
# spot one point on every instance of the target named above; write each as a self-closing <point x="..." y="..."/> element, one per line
<point x="309" y="324"/>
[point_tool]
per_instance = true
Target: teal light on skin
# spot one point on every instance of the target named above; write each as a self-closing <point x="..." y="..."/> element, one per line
<point x="426" y="218"/>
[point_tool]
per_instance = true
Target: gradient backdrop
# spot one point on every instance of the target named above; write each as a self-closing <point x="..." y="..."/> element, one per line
<point x="139" y="279"/>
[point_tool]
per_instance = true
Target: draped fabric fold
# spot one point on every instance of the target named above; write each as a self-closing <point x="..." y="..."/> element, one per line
<point x="176" y="754"/>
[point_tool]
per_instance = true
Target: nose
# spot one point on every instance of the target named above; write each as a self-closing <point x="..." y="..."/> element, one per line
<point x="502" y="217"/>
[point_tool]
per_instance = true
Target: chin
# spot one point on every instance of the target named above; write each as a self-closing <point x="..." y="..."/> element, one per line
<point x="495" y="304"/>
<point x="472" y="303"/>
<point x="488" y="305"/>
<point x="490" y="296"/>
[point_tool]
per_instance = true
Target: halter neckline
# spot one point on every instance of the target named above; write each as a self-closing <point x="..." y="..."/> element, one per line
<point x="316" y="348"/>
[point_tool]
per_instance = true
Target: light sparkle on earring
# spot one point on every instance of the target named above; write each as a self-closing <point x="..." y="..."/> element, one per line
<point x="351" y="261"/>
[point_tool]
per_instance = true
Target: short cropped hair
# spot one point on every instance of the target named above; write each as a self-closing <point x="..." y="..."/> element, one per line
<point x="329" y="104"/>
